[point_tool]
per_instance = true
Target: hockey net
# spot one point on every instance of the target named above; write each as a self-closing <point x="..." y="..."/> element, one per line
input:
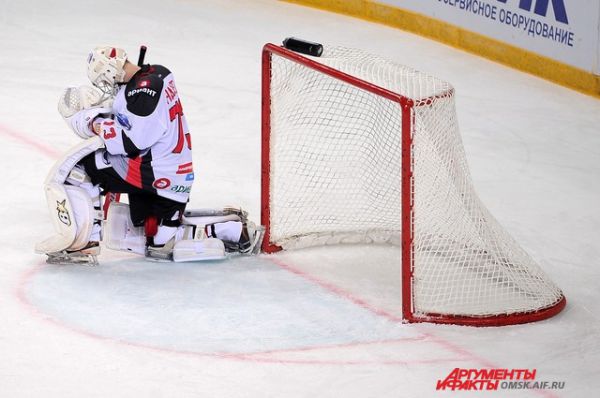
<point x="358" y="149"/>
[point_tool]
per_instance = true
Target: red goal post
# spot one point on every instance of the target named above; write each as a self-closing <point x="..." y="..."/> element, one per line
<point x="428" y="258"/>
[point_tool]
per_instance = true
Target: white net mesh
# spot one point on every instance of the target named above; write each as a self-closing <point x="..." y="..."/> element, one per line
<point x="335" y="176"/>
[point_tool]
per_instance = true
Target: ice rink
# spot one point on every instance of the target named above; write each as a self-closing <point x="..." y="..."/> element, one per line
<point x="321" y="322"/>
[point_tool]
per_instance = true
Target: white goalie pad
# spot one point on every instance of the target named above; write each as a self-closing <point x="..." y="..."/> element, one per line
<point x="198" y="250"/>
<point x="203" y="217"/>
<point x="63" y="166"/>
<point x="231" y="232"/>
<point x="230" y="216"/>
<point x="191" y="242"/>
<point x="72" y="216"/>
<point x="70" y="207"/>
<point x="119" y="232"/>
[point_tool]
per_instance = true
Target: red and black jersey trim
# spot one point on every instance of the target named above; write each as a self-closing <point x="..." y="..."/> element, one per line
<point x="130" y="148"/>
<point x="140" y="173"/>
<point x="147" y="172"/>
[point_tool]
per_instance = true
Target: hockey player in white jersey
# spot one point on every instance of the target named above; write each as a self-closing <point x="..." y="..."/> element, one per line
<point x="137" y="143"/>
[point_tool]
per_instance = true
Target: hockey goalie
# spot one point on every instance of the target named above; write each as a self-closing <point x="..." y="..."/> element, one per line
<point x="137" y="143"/>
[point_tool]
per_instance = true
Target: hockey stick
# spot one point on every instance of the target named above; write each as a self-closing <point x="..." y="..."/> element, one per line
<point x="142" y="55"/>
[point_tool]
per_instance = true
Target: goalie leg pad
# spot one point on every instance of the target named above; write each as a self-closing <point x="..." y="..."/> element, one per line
<point x="229" y="224"/>
<point x="198" y="250"/>
<point x="230" y="230"/>
<point x="63" y="167"/>
<point x="84" y="216"/>
<point x="72" y="216"/>
<point x="119" y="232"/>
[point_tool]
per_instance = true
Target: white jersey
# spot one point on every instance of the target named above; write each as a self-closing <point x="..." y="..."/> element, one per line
<point x="147" y="139"/>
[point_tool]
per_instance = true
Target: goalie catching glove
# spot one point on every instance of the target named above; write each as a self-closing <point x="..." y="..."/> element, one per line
<point x="79" y="106"/>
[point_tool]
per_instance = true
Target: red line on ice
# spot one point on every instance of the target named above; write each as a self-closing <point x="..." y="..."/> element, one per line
<point x="257" y="357"/>
<point x="25" y="139"/>
<point x="454" y="348"/>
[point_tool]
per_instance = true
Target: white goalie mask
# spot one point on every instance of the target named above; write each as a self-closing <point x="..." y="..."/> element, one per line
<point x="105" y="67"/>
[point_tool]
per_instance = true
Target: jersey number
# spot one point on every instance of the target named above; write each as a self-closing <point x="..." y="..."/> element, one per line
<point x="176" y="111"/>
<point x="110" y="132"/>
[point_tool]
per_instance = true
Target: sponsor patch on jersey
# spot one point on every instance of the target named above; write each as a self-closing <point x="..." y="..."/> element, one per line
<point x="181" y="188"/>
<point x="142" y="90"/>
<point x="185" y="168"/>
<point x="162" y="183"/>
<point x="123" y="121"/>
<point x="189" y="177"/>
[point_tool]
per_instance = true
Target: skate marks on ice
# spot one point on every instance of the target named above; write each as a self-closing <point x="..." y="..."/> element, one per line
<point x="263" y="308"/>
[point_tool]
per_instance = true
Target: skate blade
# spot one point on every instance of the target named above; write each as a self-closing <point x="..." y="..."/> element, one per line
<point x="158" y="259"/>
<point x="72" y="258"/>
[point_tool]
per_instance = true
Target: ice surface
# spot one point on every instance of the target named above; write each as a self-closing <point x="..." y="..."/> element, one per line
<point x="319" y="322"/>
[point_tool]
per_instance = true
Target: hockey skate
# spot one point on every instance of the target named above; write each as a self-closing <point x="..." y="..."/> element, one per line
<point x="162" y="253"/>
<point x="85" y="256"/>
<point x="250" y="240"/>
<point x="256" y="235"/>
<point x="252" y="235"/>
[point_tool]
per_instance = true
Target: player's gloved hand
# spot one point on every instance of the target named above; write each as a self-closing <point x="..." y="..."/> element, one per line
<point x="82" y="122"/>
<point x="97" y="125"/>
